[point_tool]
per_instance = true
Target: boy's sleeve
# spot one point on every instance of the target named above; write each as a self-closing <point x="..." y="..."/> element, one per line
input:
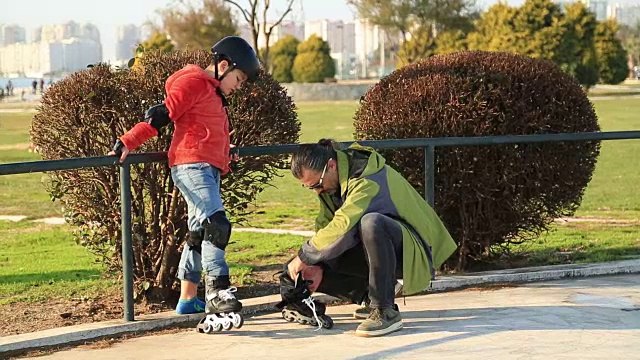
<point x="138" y="135"/>
<point x="183" y="94"/>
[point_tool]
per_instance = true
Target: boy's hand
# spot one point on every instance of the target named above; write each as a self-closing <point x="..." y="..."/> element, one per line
<point x="234" y="153"/>
<point x="119" y="149"/>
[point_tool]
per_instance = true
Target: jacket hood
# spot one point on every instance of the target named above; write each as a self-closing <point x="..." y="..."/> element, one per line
<point x="191" y="71"/>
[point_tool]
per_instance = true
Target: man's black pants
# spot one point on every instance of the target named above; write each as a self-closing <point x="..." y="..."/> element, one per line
<point x="370" y="268"/>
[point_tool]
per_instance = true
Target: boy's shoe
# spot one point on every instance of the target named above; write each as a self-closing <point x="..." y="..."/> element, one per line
<point x="380" y="322"/>
<point x="191" y="306"/>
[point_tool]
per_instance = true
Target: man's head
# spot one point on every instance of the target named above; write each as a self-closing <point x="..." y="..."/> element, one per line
<point x="316" y="166"/>
<point x="236" y="61"/>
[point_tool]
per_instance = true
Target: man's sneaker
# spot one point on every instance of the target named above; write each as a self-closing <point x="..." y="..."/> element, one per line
<point x="364" y="311"/>
<point x="380" y="322"/>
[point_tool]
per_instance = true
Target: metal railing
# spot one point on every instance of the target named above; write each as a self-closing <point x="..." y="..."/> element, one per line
<point x="428" y="144"/>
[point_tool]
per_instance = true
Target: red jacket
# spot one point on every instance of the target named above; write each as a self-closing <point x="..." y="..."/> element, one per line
<point x="201" y="126"/>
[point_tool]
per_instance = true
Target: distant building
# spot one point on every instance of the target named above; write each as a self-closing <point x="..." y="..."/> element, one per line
<point x="626" y="14"/>
<point x="127" y="39"/>
<point x="71" y="29"/>
<point x="341" y="37"/>
<point x="598" y="7"/>
<point x="11" y="34"/>
<point x="56" y="48"/>
<point x="281" y="30"/>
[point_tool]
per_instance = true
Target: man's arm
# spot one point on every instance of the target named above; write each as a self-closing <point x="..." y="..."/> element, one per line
<point x="339" y="235"/>
<point x="325" y="215"/>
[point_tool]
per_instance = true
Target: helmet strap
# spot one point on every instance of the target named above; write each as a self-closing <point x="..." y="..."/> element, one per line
<point x="229" y="69"/>
<point x="215" y="65"/>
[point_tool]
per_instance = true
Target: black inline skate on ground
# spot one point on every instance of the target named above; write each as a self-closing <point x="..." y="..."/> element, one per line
<point x="222" y="308"/>
<point x="298" y="305"/>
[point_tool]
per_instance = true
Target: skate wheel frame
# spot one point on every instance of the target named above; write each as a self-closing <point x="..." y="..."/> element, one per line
<point x="217" y="322"/>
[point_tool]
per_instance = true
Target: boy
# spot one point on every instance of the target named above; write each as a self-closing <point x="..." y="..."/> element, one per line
<point x="199" y="154"/>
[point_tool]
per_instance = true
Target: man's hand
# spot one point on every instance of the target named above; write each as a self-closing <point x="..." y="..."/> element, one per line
<point x="295" y="266"/>
<point x="313" y="273"/>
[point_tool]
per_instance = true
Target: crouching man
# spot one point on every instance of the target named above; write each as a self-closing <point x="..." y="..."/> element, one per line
<point x="373" y="228"/>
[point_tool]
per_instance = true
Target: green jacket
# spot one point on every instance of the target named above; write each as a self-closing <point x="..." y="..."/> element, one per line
<point x="368" y="185"/>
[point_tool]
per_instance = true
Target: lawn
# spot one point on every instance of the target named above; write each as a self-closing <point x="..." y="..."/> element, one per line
<point x="40" y="262"/>
<point x="65" y="269"/>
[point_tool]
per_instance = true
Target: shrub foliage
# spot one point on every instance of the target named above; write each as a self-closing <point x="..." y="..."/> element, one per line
<point x="85" y="113"/>
<point x="487" y="195"/>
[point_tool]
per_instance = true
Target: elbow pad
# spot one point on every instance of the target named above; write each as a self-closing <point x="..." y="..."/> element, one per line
<point x="158" y="116"/>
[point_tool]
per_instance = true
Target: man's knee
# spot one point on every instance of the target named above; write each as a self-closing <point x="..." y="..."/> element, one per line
<point x="217" y="230"/>
<point x="371" y="224"/>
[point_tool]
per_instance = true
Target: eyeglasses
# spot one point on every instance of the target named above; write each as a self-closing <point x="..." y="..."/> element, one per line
<point x="319" y="184"/>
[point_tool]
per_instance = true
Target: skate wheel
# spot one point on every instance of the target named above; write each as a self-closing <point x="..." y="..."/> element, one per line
<point x="288" y="317"/>
<point x="208" y="329"/>
<point x="327" y="322"/>
<point x="217" y="327"/>
<point x="228" y="324"/>
<point x="238" y="321"/>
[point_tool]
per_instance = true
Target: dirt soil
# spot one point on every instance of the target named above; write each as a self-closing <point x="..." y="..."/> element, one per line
<point x="22" y="317"/>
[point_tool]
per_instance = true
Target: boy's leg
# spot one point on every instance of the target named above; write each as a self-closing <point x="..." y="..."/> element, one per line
<point x="382" y="242"/>
<point x="199" y="184"/>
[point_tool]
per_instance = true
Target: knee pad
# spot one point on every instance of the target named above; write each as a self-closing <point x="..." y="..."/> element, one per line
<point x="217" y="230"/>
<point x="195" y="240"/>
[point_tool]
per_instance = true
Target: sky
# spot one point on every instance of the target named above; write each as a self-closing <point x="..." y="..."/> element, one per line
<point x="109" y="14"/>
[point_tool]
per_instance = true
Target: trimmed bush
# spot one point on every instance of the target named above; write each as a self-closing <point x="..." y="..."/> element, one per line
<point x="86" y="112"/>
<point x="313" y="63"/>
<point x="494" y="195"/>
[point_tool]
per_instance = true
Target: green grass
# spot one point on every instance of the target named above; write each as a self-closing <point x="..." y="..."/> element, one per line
<point x="616" y="181"/>
<point x="582" y="243"/>
<point x="55" y="266"/>
<point x="326" y="120"/>
<point x="40" y="262"/>
<point x="14" y="128"/>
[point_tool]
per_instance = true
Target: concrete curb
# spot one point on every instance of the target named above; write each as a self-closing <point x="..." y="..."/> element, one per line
<point x="533" y="274"/>
<point x="80" y="333"/>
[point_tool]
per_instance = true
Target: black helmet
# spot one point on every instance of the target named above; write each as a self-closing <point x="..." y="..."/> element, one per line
<point x="239" y="54"/>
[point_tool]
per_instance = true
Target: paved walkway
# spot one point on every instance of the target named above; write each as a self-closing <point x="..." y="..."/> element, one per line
<point x="588" y="318"/>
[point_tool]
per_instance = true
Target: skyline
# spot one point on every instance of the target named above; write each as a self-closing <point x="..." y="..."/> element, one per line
<point x="107" y="16"/>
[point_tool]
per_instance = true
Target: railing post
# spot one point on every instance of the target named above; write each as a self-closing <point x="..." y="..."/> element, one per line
<point x="429" y="174"/>
<point x="127" y="248"/>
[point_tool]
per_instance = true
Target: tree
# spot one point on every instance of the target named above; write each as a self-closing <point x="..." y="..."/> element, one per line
<point x="257" y="22"/>
<point x="612" y="58"/>
<point x="540" y="29"/>
<point x="158" y="41"/>
<point x="313" y="62"/>
<point x="451" y="41"/>
<point x="630" y="38"/>
<point x="418" y="22"/>
<point x="283" y="53"/>
<point x="581" y="62"/>
<point x="197" y="25"/>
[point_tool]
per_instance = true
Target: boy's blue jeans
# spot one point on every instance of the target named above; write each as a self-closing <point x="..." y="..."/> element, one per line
<point x="199" y="184"/>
